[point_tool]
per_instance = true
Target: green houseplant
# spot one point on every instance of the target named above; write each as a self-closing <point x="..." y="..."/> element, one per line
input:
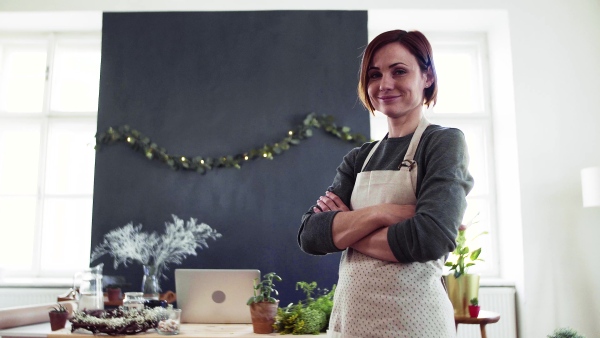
<point x="462" y="257"/>
<point x="461" y="285"/>
<point x="474" y="307"/>
<point x="565" y="332"/>
<point x="263" y="306"/>
<point x="310" y="316"/>
<point x="58" y="317"/>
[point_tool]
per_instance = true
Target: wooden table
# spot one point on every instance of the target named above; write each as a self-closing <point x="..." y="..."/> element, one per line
<point x="187" y="331"/>
<point x="484" y="318"/>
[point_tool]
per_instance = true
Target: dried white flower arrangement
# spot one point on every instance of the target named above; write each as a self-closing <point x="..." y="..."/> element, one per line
<point x="129" y="244"/>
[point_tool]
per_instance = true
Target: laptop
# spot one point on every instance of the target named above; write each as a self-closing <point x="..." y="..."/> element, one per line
<point x="214" y="296"/>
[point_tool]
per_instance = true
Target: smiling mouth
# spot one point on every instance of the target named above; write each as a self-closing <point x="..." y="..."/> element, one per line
<point x="388" y="98"/>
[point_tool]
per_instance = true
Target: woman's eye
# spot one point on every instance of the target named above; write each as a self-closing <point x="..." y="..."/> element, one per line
<point x="399" y="72"/>
<point x="374" y="75"/>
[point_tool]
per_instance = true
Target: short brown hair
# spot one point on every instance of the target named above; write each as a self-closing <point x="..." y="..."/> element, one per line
<point x="417" y="44"/>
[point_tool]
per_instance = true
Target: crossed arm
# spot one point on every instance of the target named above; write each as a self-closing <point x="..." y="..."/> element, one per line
<point x="364" y="230"/>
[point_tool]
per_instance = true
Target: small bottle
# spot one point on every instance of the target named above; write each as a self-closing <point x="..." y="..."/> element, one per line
<point x="133" y="301"/>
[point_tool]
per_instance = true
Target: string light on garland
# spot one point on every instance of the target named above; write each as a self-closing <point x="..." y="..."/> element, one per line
<point x="141" y="143"/>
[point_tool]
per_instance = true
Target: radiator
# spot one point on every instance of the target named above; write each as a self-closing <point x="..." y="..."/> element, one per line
<point x="10" y="297"/>
<point x="502" y="301"/>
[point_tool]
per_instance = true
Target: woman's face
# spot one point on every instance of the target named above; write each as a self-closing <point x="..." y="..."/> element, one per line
<point x="396" y="83"/>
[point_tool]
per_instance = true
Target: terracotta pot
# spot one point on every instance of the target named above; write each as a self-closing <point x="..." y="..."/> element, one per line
<point x="474" y="311"/>
<point x="58" y="320"/>
<point x="263" y="316"/>
<point x="461" y="290"/>
<point x="114" y="294"/>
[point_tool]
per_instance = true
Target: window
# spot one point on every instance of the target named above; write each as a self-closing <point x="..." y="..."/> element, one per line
<point x="48" y="110"/>
<point x="463" y="102"/>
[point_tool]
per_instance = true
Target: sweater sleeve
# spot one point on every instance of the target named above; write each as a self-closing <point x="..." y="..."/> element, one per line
<point x="443" y="184"/>
<point x="315" y="236"/>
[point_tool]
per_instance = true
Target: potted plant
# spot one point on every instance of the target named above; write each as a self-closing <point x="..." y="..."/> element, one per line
<point x="58" y="317"/>
<point x="474" y="308"/>
<point x="461" y="285"/>
<point x="263" y="307"/>
<point x="308" y="316"/>
<point x="113" y="292"/>
<point x="565" y="332"/>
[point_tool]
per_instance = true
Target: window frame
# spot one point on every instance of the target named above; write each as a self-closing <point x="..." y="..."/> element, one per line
<point x="45" y="119"/>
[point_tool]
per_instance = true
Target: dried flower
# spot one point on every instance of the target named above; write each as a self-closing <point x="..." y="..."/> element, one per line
<point x="129" y="244"/>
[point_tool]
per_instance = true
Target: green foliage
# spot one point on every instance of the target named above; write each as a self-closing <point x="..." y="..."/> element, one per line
<point x="462" y="257"/>
<point x="565" y="333"/>
<point x="309" y="316"/>
<point x="58" y="308"/>
<point x="474" y="301"/>
<point x="264" y="288"/>
<point x="137" y="141"/>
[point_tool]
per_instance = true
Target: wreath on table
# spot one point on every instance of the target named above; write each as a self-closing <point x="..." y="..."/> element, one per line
<point x="116" y="322"/>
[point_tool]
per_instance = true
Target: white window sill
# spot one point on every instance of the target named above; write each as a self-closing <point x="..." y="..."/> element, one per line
<point x="30" y="282"/>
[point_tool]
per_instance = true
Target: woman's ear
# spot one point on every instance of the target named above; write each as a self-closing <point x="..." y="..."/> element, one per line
<point x="428" y="77"/>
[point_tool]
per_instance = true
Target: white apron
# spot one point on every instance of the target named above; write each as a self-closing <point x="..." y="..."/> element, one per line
<point x="375" y="298"/>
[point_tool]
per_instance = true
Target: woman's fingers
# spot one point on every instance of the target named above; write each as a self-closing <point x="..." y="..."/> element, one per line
<point x="338" y="201"/>
<point x="326" y="204"/>
<point x="330" y="202"/>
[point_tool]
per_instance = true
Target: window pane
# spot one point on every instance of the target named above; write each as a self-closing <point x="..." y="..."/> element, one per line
<point x="19" y="162"/>
<point x="459" y="89"/>
<point x="66" y="233"/>
<point x="379" y="126"/>
<point x="76" y="76"/>
<point x="23" y="76"/>
<point x="71" y="155"/>
<point x="17" y="225"/>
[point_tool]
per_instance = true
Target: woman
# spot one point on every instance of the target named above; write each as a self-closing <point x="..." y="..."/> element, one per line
<point x="394" y="206"/>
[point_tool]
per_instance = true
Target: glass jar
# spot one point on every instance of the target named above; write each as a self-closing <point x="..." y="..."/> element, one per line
<point x="133" y="301"/>
<point x="170" y="322"/>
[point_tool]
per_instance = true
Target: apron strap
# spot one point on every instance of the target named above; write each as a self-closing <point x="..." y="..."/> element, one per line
<point x="369" y="156"/>
<point x="408" y="161"/>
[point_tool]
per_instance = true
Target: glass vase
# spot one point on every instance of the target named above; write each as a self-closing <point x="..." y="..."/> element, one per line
<point x="150" y="282"/>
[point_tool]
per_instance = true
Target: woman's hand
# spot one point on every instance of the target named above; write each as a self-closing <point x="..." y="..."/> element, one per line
<point x="330" y="202"/>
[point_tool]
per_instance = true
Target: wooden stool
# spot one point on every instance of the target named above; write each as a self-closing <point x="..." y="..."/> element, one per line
<point x="484" y="318"/>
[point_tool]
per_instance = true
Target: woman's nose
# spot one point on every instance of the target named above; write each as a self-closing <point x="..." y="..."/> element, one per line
<point x="387" y="82"/>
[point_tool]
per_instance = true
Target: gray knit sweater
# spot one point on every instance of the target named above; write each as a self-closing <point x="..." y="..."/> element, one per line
<point x="443" y="181"/>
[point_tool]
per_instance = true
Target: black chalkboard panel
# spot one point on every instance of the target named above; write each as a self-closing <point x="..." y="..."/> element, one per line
<point x="221" y="83"/>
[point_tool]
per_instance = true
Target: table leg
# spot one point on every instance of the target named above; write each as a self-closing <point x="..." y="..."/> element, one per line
<point x="482" y="328"/>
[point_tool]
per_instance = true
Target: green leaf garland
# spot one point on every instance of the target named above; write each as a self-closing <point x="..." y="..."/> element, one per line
<point x="152" y="151"/>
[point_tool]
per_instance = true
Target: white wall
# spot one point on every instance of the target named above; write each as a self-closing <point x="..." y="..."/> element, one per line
<point x="555" y="54"/>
